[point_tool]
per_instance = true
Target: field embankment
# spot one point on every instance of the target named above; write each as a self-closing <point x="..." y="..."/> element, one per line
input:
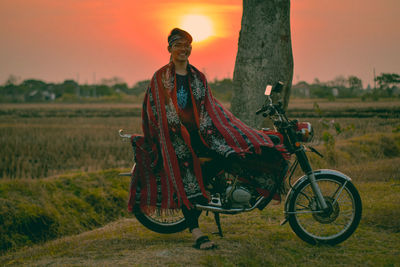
<point x="251" y="239"/>
<point x="33" y="211"/>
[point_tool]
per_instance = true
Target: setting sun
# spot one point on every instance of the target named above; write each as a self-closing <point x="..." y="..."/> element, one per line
<point x="199" y="26"/>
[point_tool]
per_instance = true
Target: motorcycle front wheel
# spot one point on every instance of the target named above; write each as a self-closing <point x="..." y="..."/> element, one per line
<point x="315" y="226"/>
<point x="169" y="222"/>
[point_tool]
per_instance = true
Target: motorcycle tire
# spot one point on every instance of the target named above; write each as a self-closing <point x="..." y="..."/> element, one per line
<point x="329" y="228"/>
<point x="171" y="223"/>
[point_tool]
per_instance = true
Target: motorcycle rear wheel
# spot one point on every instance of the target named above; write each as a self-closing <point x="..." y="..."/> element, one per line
<point x="164" y="223"/>
<point x="334" y="226"/>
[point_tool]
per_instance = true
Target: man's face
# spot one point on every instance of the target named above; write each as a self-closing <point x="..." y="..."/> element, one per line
<point x="180" y="50"/>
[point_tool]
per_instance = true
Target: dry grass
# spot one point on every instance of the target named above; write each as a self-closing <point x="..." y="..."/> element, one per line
<point x="251" y="239"/>
<point x="382" y="170"/>
<point x="298" y="103"/>
<point x="38" y="140"/>
<point x="13" y="106"/>
<point x="42" y="147"/>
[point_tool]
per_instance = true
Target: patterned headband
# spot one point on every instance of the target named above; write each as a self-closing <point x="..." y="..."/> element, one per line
<point x="174" y="38"/>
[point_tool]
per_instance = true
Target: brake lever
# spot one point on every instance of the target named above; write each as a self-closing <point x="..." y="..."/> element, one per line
<point x="260" y="110"/>
<point x="315" y="151"/>
<point x="265" y="106"/>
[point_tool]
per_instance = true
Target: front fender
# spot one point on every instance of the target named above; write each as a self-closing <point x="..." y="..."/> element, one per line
<point x="303" y="179"/>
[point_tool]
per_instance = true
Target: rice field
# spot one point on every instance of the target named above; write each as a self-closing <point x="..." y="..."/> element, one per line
<point x="41" y="146"/>
<point x="42" y="140"/>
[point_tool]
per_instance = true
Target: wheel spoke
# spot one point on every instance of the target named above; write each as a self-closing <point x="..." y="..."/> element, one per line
<point x="340" y="192"/>
<point x="305" y="207"/>
<point x="336" y="191"/>
<point x="346" y="212"/>
<point x="340" y="224"/>
<point x="321" y="226"/>
<point x="169" y="217"/>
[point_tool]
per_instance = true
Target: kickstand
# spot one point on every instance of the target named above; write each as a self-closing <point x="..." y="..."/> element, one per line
<point x="218" y="222"/>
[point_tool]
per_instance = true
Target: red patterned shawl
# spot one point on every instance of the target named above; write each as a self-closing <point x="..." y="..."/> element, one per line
<point x="167" y="172"/>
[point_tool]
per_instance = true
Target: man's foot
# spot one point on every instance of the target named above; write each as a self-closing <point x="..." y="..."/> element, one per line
<point x="202" y="241"/>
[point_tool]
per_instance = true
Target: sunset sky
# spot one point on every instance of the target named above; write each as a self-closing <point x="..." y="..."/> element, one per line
<point x="87" y="40"/>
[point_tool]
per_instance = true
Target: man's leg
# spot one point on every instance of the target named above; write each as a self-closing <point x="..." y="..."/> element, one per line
<point x="192" y="220"/>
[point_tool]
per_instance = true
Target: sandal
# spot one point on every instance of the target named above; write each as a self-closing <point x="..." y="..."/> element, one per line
<point x="202" y="240"/>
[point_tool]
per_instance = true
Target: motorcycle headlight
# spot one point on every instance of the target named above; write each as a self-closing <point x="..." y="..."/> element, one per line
<point x="304" y="131"/>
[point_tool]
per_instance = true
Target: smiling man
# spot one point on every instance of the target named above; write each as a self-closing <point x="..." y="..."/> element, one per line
<point x="182" y="121"/>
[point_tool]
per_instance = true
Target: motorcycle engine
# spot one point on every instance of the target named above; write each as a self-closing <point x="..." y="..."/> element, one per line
<point x="240" y="197"/>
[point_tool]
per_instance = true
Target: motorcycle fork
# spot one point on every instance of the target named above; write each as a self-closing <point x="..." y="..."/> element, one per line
<point x="306" y="167"/>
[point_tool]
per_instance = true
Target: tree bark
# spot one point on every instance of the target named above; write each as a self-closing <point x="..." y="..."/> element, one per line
<point x="264" y="56"/>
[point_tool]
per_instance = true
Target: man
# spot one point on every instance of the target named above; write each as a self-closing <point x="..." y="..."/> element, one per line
<point x="182" y="120"/>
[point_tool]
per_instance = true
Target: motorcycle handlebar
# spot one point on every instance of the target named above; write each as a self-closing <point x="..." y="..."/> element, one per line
<point x="122" y="135"/>
<point x="259" y="111"/>
<point x="266" y="110"/>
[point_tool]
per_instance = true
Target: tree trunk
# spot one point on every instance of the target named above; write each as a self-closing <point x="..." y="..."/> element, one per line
<point x="264" y="56"/>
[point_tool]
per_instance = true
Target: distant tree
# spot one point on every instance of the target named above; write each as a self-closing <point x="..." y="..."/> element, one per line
<point x="70" y="82"/>
<point x="264" y="56"/>
<point x="67" y="87"/>
<point x="140" y="87"/>
<point x="12" y="79"/>
<point x="33" y="84"/>
<point x="355" y="83"/>
<point x="301" y="89"/>
<point x="387" y="82"/>
<point x="112" y="81"/>
<point x="316" y="81"/>
<point x="339" y="81"/>
<point x="321" y="91"/>
<point x="222" y="89"/>
<point x="355" y="87"/>
<point x="120" y="87"/>
<point x="104" y="90"/>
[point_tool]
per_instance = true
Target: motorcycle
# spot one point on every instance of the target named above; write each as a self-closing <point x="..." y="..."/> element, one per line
<point x="322" y="207"/>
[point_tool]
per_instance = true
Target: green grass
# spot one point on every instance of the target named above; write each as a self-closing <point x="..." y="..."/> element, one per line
<point x="251" y="239"/>
<point x="33" y="211"/>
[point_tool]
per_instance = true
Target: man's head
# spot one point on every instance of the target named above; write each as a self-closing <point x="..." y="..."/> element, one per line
<point x="179" y="45"/>
<point x="178" y="34"/>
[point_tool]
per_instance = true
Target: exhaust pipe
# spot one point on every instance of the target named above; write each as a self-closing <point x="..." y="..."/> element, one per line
<point x="227" y="211"/>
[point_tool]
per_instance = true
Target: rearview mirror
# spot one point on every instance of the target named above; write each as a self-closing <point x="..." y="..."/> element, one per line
<point x="268" y="90"/>
<point x="277" y="87"/>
